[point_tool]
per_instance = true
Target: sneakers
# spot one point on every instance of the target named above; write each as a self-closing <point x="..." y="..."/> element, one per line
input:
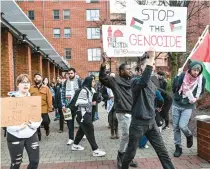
<point x="84" y="137"/>
<point x="60" y="131"/>
<point x="70" y="142"/>
<point x="146" y="146"/>
<point x="178" y="151"/>
<point x="190" y="141"/>
<point x="99" y="153"/>
<point x="77" y="147"/>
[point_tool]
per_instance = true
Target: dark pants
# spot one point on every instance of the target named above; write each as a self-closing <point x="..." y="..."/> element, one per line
<point x="70" y="124"/>
<point x="45" y="122"/>
<point x="153" y="135"/>
<point x="61" y="120"/>
<point x="112" y="119"/>
<point x="86" y="128"/>
<point x="165" y="110"/>
<point x="16" y="147"/>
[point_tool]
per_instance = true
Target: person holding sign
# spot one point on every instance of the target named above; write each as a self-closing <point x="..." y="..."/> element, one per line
<point x="187" y="88"/>
<point x="143" y="117"/>
<point x="121" y="87"/>
<point x="24" y="135"/>
<point x="41" y="90"/>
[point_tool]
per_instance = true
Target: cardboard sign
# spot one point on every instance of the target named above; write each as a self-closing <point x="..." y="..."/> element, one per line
<point x="162" y="28"/>
<point x="114" y="42"/>
<point x="17" y="110"/>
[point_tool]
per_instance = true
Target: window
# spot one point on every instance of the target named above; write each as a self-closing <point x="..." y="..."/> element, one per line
<point x="93" y="33"/>
<point x="56" y="14"/>
<point x="92" y="14"/>
<point x="94" y="54"/>
<point x="20" y="0"/>
<point x="30" y="0"/>
<point x="92" y="1"/>
<point x="56" y="32"/>
<point x="67" y="32"/>
<point x="31" y="15"/>
<point x="66" y="14"/>
<point x="67" y="52"/>
<point x="96" y="74"/>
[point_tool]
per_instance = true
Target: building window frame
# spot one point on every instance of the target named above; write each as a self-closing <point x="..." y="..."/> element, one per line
<point x="67" y="16"/>
<point x="93" y="33"/>
<point x="92" y="1"/>
<point x="33" y="16"/>
<point x="91" y="14"/>
<point x="94" y="54"/>
<point x="56" y="16"/>
<point x="56" y="35"/>
<point x="66" y="35"/>
<point x="68" y="57"/>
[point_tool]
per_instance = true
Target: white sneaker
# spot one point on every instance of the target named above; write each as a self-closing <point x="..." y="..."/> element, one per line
<point x="146" y="146"/>
<point x="70" y="142"/>
<point x="84" y="137"/>
<point x="77" y="147"/>
<point x="99" y="153"/>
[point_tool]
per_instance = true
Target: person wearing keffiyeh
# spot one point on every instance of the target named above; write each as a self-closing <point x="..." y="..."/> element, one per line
<point x="187" y="88"/>
<point x="84" y="118"/>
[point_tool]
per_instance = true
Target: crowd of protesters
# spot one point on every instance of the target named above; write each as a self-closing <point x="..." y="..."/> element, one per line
<point x="136" y="103"/>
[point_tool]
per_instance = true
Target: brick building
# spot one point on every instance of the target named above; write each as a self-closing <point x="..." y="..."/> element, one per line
<point x="24" y="49"/>
<point x="73" y="28"/>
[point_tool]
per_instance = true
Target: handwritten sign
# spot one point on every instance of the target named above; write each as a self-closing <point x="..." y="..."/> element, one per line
<point x="114" y="42"/>
<point x="163" y="28"/>
<point x="17" y="110"/>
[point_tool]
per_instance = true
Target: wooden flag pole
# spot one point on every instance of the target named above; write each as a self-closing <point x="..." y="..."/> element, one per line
<point x="200" y="39"/>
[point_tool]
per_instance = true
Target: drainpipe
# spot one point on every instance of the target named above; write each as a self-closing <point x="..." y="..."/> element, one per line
<point x="43" y="15"/>
<point x="14" y="60"/>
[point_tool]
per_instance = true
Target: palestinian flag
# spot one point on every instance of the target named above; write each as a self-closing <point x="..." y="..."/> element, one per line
<point x="175" y="25"/>
<point x="202" y="54"/>
<point x="136" y="23"/>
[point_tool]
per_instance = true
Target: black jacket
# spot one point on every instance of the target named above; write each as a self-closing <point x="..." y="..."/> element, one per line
<point x="121" y="88"/>
<point x="58" y="102"/>
<point x="144" y="92"/>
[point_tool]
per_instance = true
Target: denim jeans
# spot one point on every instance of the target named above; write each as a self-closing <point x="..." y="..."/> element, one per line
<point x="153" y="135"/>
<point x="180" y="117"/>
<point x="124" y="123"/>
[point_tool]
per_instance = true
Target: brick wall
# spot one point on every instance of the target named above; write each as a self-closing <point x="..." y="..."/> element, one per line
<point x="203" y="137"/>
<point x="7" y="72"/>
<point x="78" y="24"/>
<point x="23" y="59"/>
<point x="52" y="71"/>
<point x="36" y="63"/>
<point x="46" y="68"/>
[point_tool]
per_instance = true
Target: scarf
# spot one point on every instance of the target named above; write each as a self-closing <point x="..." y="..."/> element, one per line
<point x="188" y="86"/>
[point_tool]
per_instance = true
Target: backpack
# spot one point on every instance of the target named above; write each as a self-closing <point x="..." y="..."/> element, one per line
<point x="72" y="104"/>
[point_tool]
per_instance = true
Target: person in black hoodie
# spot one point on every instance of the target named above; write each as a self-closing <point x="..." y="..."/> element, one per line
<point x="187" y="88"/>
<point x="121" y="87"/>
<point x="143" y="118"/>
<point x="58" y="102"/>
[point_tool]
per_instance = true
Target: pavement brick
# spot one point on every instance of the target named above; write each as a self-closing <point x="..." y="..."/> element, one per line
<point x="54" y="153"/>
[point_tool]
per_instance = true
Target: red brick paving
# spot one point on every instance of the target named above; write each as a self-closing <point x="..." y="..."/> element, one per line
<point x="184" y="162"/>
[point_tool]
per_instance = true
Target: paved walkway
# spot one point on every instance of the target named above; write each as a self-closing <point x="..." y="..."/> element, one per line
<point x="54" y="153"/>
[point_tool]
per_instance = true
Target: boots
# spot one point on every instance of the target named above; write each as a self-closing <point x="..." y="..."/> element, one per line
<point x="178" y="151"/>
<point x="112" y="134"/>
<point x="116" y="134"/>
<point x="189" y="141"/>
<point x="119" y="159"/>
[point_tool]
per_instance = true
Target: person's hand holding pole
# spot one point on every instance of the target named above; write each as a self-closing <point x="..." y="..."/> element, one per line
<point x="151" y="59"/>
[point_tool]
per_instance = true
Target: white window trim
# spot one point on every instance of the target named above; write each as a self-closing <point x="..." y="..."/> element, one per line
<point x="65" y="49"/>
<point x="54" y="14"/>
<point x="68" y="15"/>
<point x="89" y="18"/>
<point x="91" y="28"/>
<point x="57" y="34"/>
<point x="91" y="58"/>
<point x="69" y="32"/>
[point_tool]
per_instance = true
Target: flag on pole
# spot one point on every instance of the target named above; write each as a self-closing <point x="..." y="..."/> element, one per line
<point x="202" y="54"/>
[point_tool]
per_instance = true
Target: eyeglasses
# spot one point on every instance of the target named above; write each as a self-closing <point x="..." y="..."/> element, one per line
<point x="25" y="82"/>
